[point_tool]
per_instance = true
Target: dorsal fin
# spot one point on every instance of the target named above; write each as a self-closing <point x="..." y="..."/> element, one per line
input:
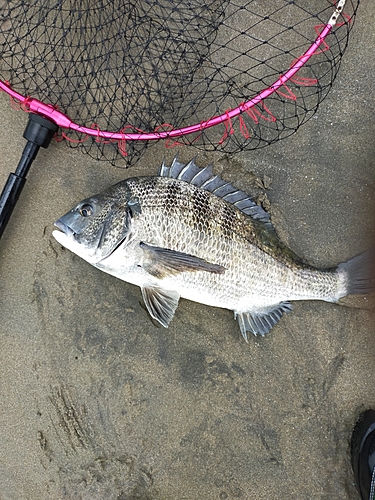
<point x="205" y="179"/>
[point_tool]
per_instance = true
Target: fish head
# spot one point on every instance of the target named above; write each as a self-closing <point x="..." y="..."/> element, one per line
<point x="98" y="225"/>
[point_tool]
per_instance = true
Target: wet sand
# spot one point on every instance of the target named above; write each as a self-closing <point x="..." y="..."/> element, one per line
<point x="100" y="403"/>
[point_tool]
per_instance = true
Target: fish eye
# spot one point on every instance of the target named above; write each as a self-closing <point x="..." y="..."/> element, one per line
<point x="86" y="210"/>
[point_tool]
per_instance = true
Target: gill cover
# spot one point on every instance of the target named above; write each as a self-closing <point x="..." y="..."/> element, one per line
<point x="98" y="226"/>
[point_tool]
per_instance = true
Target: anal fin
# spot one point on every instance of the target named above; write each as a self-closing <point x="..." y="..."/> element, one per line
<point x="161" y="304"/>
<point x="260" y="323"/>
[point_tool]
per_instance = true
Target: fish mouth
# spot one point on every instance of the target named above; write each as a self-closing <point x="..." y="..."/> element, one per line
<point x="68" y="231"/>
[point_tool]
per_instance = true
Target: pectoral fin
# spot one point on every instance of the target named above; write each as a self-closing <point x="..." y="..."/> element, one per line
<point x="161" y="304"/>
<point x="162" y="262"/>
<point x="261" y="323"/>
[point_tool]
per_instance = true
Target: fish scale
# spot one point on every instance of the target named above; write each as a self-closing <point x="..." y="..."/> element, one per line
<point x="188" y="233"/>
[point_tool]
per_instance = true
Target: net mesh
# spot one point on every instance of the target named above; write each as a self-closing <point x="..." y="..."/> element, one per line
<point x="158" y="65"/>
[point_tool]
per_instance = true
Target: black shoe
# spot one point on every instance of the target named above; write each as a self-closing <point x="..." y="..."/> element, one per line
<point x="363" y="454"/>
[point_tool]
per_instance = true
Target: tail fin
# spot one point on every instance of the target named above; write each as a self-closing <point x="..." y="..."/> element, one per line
<point x="360" y="272"/>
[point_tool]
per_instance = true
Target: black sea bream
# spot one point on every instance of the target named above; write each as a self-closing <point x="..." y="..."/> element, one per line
<point x="187" y="233"/>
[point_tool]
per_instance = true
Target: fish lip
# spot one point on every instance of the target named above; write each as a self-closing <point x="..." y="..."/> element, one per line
<point x="68" y="231"/>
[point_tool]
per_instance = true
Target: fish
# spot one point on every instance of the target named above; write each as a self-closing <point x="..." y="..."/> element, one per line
<point x="188" y="233"/>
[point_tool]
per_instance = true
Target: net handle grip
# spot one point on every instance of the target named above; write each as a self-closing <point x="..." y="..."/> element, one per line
<point x="38" y="133"/>
<point x="9" y="198"/>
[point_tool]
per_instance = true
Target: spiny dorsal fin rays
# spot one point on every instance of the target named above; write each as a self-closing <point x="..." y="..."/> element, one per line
<point x="213" y="183"/>
<point x="257" y="212"/>
<point x="202" y="176"/>
<point x="189" y="171"/>
<point x="164" y="170"/>
<point x="179" y="170"/>
<point x="207" y="180"/>
<point x="235" y="196"/>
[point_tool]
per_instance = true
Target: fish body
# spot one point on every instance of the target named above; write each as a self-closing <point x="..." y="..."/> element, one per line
<point x="187" y="233"/>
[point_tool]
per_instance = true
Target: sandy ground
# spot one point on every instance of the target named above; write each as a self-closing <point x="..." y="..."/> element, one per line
<point x="99" y="403"/>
